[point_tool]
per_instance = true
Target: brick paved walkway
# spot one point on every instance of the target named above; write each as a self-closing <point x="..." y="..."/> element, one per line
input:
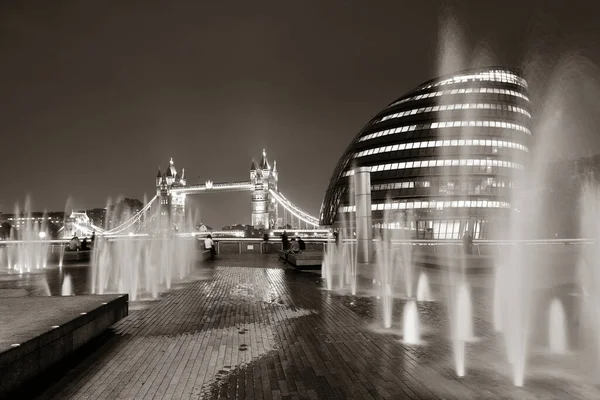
<point x="247" y="328"/>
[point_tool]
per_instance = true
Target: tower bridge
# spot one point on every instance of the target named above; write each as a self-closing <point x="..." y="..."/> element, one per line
<point x="269" y="207"/>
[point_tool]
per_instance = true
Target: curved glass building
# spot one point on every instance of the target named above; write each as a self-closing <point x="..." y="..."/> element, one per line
<point x="442" y="157"/>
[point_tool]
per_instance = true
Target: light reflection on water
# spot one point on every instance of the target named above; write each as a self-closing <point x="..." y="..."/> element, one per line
<point x="46" y="282"/>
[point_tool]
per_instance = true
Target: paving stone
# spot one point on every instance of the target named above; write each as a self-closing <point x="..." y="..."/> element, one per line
<point x="253" y="329"/>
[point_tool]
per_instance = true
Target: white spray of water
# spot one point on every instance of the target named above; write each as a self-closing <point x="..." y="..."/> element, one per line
<point x="557" y="329"/>
<point x="411" y="328"/>
<point x="67" y="287"/>
<point x="423" y="289"/>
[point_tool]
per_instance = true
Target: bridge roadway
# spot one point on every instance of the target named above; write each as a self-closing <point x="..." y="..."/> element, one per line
<point x="245" y="327"/>
<point x="247" y="186"/>
<point x="221" y="186"/>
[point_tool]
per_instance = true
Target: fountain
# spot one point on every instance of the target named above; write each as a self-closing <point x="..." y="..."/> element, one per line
<point x="138" y="266"/>
<point x="385" y="269"/>
<point x="67" y="289"/>
<point x="516" y="289"/>
<point x="350" y="261"/>
<point x="340" y="260"/>
<point x="557" y="332"/>
<point x="30" y="248"/>
<point x="498" y="299"/>
<point x="411" y="328"/>
<point x="463" y="326"/>
<point x="453" y="57"/>
<point x="519" y="272"/>
<point x="141" y="265"/>
<point x="589" y="276"/>
<point x="423" y="290"/>
<point x="329" y="260"/>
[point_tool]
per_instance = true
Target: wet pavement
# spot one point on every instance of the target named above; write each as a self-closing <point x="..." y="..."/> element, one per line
<point x="248" y="327"/>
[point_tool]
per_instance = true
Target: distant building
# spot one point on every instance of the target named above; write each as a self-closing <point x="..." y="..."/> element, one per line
<point x="247" y="229"/>
<point x="51" y="222"/>
<point x="442" y="157"/>
<point x="203" y="228"/>
<point x="77" y="224"/>
<point x="97" y="216"/>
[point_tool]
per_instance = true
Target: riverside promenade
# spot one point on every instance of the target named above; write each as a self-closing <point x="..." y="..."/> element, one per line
<point x="248" y="327"/>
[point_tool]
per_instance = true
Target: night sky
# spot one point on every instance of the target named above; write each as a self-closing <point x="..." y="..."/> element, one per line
<point x="95" y="95"/>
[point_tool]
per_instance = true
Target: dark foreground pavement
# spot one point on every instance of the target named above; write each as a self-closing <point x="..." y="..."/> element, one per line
<point x="247" y="328"/>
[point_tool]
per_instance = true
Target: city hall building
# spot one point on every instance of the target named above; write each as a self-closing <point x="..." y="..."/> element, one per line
<point x="442" y="158"/>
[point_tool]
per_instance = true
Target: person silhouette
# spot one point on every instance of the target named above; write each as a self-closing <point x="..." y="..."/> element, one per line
<point x="284" y="240"/>
<point x="209" y="244"/>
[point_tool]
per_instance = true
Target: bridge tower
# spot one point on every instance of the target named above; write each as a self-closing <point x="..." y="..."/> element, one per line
<point x="264" y="208"/>
<point x="171" y="204"/>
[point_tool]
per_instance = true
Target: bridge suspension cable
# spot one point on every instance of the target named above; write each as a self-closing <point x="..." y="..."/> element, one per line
<point x="294" y="210"/>
<point x="97" y="229"/>
<point x="129" y="223"/>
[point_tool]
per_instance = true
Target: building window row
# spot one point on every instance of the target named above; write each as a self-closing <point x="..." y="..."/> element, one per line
<point x="439" y="229"/>
<point x="473" y="187"/>
<point x="401" y="185"/>
<point x="447" y="124"/>
<point x="506" y="92"/>
<point x="448" y="186"/>
<point x="442" y="143"/>
<point x="451" y="107"/>
<point x="434" y="204"/>
<point x="463" y="162"/>
<point x="490" y="76"/>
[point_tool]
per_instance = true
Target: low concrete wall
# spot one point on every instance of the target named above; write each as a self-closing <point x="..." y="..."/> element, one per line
<point x="258" y="247"/>
<point x="20" y="364"/>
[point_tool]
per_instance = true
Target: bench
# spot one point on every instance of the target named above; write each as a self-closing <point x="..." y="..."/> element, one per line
<point x="69" y="256"/>
<point x="303" y="259"/>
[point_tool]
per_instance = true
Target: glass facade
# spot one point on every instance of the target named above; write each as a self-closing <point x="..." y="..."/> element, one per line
<point x="442" y="157"/>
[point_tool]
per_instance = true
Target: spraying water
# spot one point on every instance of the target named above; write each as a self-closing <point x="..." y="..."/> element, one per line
<point x="557" y="329"/>
<point x="411" y="328"/>
<point x="31" y="251"/>
<point x="351" y="261"/>
<point x="423" y="289"/>
<point x="589" y="275"/>
<point x="385" y="268"/>
<point x="67" y="287"/>
<point x="141" y="265"/>
<point x="463" y="326"/>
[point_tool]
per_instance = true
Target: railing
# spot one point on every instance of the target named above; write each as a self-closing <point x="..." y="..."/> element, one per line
<point x="480" y="247"/>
